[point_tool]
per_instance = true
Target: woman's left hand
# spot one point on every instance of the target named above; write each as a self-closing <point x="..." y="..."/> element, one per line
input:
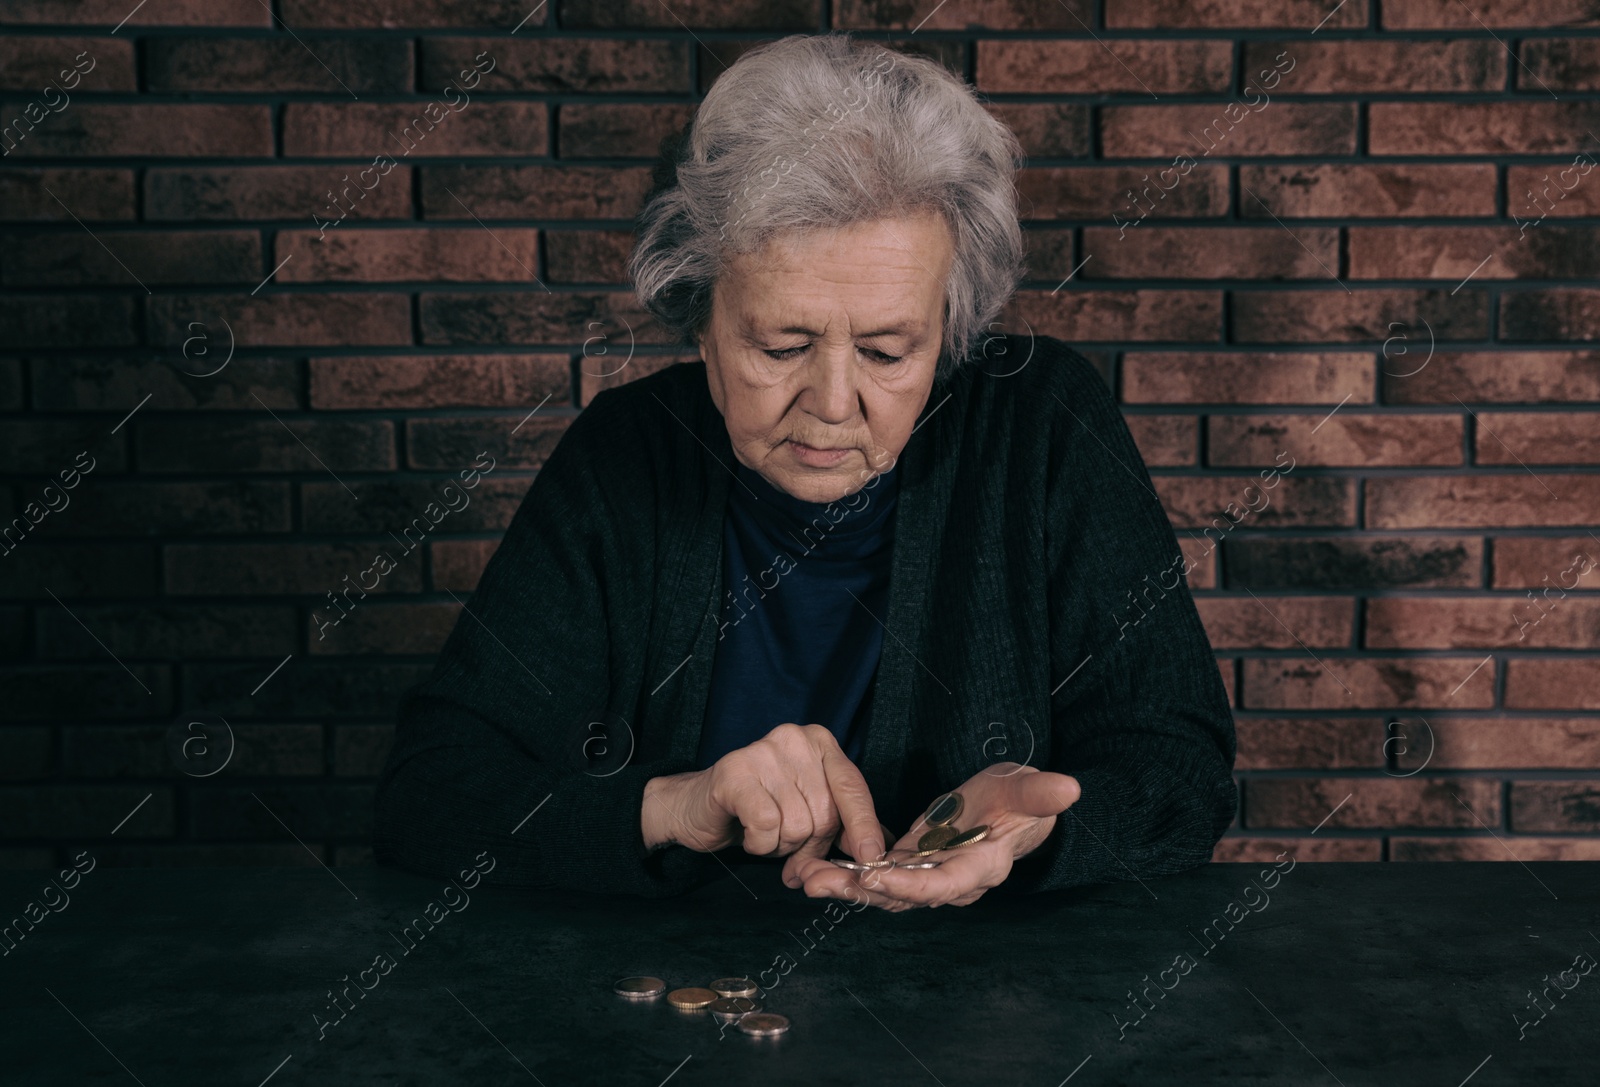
<point x="1019" y="804"/>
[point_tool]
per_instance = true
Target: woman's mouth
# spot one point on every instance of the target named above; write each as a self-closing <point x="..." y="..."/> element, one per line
<point x="813" y="457"/>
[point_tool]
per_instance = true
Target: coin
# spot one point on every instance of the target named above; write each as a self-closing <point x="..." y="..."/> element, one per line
<point x="944" y="810"/>
<point x="692" y="999"/>
<point x="919" y="864"/>
<point x="764" y="1024"/>
<point x="731" y="987"/>
<point x="639" y="988"/>
<point x="854" y="866"/>
<point x="731" y="1009"/>
<point x="937" y="838"/>
<point x="967" y="837"/>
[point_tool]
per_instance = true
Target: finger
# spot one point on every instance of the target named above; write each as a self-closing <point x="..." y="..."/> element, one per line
<point x="863" y="836"/>
<point x="956" y="877"/>
<point x="1044" y="793"/>
<point x="823" y="879"/>
<point x="761" y="819"/>
<point x="825" y="825"/>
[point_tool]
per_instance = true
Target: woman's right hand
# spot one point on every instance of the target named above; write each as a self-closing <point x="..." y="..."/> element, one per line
<point x="791" y="793"/>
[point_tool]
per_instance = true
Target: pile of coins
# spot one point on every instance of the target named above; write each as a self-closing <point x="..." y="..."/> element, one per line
<point x="941" y="837"/>
<point x="730" y="1000"/>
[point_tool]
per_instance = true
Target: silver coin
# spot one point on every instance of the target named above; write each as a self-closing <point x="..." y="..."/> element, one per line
<point x="640" y="988"/>
<point x="854" y="866"/>
<point x="918" y="864"/>
<point x="944" y="810"/>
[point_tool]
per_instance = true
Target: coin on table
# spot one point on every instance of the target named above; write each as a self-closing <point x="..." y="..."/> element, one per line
<point x="944" y="810"/>
<point x="918" y="864"/>
<point x="967" y="837"/>
<point x="692" y="999"/>
<point x="764" y="1024"/>
<point x="937" y="838"/>
<point x="639" y="988"/>
<point x="731" y="987"/>
<point x="731" y="1009"/>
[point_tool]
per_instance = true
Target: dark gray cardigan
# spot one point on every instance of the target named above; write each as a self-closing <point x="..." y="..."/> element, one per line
<point x="1026" y="520"/>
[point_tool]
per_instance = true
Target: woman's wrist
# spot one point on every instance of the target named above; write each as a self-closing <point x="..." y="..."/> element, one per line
<point x="656" y="824"/>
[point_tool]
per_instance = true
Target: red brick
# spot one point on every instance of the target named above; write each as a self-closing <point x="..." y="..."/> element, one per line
<point x="401" y="129"/>
<point x="990" y="14"/>
<point x="390" y="507"/>
<point x="557" y="65"/>
<point x="288" y="320"/>
<point x="1227" y="669"/>
<point x="281" y="569"/>
<point x="1524" y="183"/>
<point x="1377" y="803"/>
<point x="262" y="813"/>
<point x="1453" y="15"/>
<point x="47" y="447"/>
<point x="631" y="130"/>
<point x="467" y="255"/>
<point x="1264" y="14"/>
<point x="1277" y="622"/>
<point x="381" y="628"/>
<point x="1237" y="849"/>
<point x="66" y="321"/>
<point x="1214" y="377"/>
<point x="40" y="693"/>
<point x="1055" y="130"/>
<point x="392" y="14"/>
<point x="90" y="194"/>
<point x="1200" y="502"/>
<point x="1325" y="743"/>
<point x="177" y="632"/>
<point x="1335" y="315"/>
<point x="349" y="689"/>
<point x="76" y="812"/>
<point x="587" y="256"/>
<point x="1198" y="130"/>
<point x="691" y="14"/>
<point x="75" y="258"/>
<point x="1299" y="683"/>
<point x="1477" y="128"/>
<point x="1435" y="562"/>
<point x="1566" y="683"/>
<point x="111" y="13"/>
<point x="78" y="570"/>
<point x="1482" y="501"/>
<point x="1456" y="252"/>
<point x="1198" y="560"/>
<point x="273" y="192"/>
<point x="458" y="564"/>
<point x="438" y="381"/>
<point x="30" y="64"/>
<point x="1480" y="743"/>
<point x="1165" y="440"/>
<point x="224" y="506"/>
<point x="116" y="751"/>
<point x="513" y="320"/>
<point x="11" y="384"/>
<point x="361" y="750"/>
<point x="1118" y="315"/>
<point x="534" y="192"/>
<point x="186" y="130"/>
<point x="1096" y="192"/>
<point x="451" y="443"/>
<point x="1398" y="66"/>
<point x="1538" y="438"/>
<point x="1019" y="66"/>
<point x="275" y="65"/>
<point x="270" y="445"/>
<point x="1478" y="377"/>
<point x="1486" y="848"/>
<point x="608" y="362"/>
<point x="1554" y="315"/>
<point x="82" y="384"/>
<point x="1508" y="622"/>
<point x="1210" y="253"/>
<point x="1560" y="806"/>
<point x="1339" y="438"/>
<point x="26" y="753"/>
<point x="1525" y="562"/>
<point x="1376" y="191"/>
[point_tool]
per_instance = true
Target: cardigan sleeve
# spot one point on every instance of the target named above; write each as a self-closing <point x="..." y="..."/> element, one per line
<point x="489" y="750"/>
<point x="1144" y="724"/>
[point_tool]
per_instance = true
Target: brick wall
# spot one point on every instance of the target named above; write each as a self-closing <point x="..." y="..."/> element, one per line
<point x="237" y="358"/>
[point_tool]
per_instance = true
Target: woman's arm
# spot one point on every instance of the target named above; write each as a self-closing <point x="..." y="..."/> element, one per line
<point x="489" y="751"/>
<point x="1144" y="725"/>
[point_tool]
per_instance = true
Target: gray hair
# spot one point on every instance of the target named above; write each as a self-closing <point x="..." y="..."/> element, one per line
<point x="848" y="133"/>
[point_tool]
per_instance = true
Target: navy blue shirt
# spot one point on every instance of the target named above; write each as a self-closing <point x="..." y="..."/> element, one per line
<point x="793" y="645"/>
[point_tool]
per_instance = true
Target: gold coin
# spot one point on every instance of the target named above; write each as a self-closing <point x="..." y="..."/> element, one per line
<point x="944" y="810"/>
<point x="764" y="1024"/>
<point x="936" y="838"/>
<point x="730" y="1009"/>
<point x="967" y="837"/>
<point x="731" y="987"/>
<point x="692" y="999"/>
<point x="639" y="988"/>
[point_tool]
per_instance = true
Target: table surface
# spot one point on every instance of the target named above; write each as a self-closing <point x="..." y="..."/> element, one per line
<point x="1339" y="974"/>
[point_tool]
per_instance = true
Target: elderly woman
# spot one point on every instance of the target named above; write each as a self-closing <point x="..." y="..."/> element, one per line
<point x="776" y="601"/>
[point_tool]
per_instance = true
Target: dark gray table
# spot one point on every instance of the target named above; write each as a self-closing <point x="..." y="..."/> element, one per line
<point x="1349" y="974"/>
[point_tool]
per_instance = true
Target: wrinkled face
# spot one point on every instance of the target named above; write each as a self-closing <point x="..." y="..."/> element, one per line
<point x="821" y="349"/>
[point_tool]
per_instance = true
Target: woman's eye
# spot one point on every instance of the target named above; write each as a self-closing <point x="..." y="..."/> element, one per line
<point x="787" y="353"/>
